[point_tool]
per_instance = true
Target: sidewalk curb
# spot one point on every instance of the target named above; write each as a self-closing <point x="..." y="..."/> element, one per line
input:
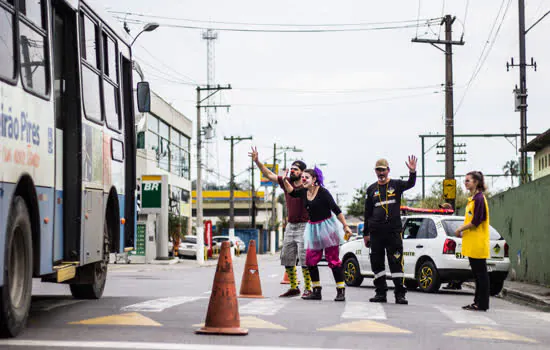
<point x="520" y="297"/>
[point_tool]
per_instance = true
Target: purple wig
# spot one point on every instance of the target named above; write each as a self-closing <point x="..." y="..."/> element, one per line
<point x="319" y="175"/>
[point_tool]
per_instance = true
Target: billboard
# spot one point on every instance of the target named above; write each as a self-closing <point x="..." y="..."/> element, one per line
<point x="264" y="181"/>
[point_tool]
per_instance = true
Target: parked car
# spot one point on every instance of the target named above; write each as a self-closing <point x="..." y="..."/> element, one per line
<point x="188" y="247"/>
<point x="237" y="242"/>
<point x="432" y="255"/>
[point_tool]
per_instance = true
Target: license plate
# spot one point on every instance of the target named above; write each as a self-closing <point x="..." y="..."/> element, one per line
<point x="189" y="246"/>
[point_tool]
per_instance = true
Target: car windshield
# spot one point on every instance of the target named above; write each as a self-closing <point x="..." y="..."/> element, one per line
<point x="190" y="240"/>
<point x="451" y="225"/>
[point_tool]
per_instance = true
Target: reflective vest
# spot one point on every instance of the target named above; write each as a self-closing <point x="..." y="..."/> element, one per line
<point x="476" y="241"/>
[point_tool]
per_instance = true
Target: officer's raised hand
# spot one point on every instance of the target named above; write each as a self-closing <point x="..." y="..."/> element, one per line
<point x="411" y="163"/>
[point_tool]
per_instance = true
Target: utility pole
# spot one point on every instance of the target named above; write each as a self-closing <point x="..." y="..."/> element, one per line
<point x="252" y="198"/>
<point x="521" y="93"/>
<point x="232" y="184"/>
<point x="200" y="233"/>
<point x="448" y="20"/>
<point x="273" y="218"/>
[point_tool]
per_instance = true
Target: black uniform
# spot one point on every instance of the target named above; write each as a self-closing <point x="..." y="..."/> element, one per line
<point x="383" y="224"/>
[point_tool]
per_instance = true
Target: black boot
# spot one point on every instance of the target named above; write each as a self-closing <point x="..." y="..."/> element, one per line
<point x="379" y="298"/>
<point x="400" y="299"/>
<point x="340" y="294"/>
<point x="315" y="295"/>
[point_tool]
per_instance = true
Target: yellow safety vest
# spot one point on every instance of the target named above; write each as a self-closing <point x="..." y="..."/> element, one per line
<point x="476" y="241"/>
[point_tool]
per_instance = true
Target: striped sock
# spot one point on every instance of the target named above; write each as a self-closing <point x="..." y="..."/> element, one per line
<point x="340" y="285"/>
<point x="316" y="284"/>
<point x="291" y="272"/>
<point x="307" y="278"/>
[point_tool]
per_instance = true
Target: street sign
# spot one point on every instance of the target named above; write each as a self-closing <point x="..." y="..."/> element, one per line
<point x="449" y="189"/>
<point x="151" y="192"/>
<point x="264" y="181"/>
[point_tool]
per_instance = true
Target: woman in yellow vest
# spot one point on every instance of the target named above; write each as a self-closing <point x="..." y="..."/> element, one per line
<point x="475" y="238"/>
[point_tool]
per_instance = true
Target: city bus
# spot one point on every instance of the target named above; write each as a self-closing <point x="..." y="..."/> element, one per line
<point x="67" y="150"/>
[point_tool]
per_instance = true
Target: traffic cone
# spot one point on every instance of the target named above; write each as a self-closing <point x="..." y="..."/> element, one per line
<point x="287" y="281"/>
<point x="222" y="316"/>
<point x="251" y="286"/>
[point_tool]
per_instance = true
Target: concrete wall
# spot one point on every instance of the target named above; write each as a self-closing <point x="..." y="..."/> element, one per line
<point x="522" y="216"/>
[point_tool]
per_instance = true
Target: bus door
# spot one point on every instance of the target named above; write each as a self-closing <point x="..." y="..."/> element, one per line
<point x="68" y="133"/>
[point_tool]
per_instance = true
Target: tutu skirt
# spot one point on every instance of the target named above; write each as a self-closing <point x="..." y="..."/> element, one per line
<point x="323" y="234"/>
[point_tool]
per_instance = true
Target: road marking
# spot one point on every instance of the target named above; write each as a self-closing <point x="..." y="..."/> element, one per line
<point x="540" y="315"/>
<point x="129" y="319"/>
<point x="265" y="307"/>
<point x="464" y="316"/>
<point x="364" y="311"/>
<point x="253" y="322"/>
<point x="273" y="275"/>
<point x="159" y="305"/>
<point x="135" y="345"/>
<point x="488" y="333"/>
<point x="364" y="326"/>
<point x="48" y="305"/>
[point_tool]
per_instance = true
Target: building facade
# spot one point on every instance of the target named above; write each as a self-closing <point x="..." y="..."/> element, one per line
<point x="164" y="148"/>
<point x="541" y="146"/>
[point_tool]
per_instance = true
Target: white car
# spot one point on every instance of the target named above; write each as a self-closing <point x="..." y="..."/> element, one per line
<point x="432" y="255"/>
<point x="236" y="242"/>
<point x="188" y="247"/>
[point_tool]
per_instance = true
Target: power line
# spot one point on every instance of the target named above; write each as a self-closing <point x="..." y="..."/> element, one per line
<point x="135" y="14"/>
<point x="337" y="103"/>
<point x="250" y="30"/>
<point x="482" y="59"/>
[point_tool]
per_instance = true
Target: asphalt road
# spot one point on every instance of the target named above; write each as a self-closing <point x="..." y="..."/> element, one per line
<point x="160" y="307"/>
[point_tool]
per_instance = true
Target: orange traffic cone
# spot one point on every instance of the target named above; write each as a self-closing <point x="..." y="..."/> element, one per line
<point x="251" y="286"/>
<point x="222" y="316"/>
<point x="287" y="281"/>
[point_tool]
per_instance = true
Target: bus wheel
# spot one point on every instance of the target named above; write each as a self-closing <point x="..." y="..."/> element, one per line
<point x="16" y="292"/>
<point x="95" y="289"/>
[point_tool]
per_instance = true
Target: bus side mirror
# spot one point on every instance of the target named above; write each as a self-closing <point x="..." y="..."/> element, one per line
<point x="143" y="97"/>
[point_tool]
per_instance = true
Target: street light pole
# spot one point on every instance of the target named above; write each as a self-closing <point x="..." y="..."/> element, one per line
<point x="149" y="27"/>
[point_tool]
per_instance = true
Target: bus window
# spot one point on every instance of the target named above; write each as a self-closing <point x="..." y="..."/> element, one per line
<point x="110" y="84"/>
<point x="90" y="90"/>
<point x="111" y="105"/>
<point x="90" y="73"/>
<point x="34" y="66"/>
<point x="110" y="58"/>
<point x="89" y="41"/>
<point x="7" y="58"/>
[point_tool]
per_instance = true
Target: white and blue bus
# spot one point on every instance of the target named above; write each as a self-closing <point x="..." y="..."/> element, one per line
<point x="67" y="150"/>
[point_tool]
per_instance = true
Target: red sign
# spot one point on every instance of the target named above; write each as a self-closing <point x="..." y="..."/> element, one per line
<point x="208" y="236"/>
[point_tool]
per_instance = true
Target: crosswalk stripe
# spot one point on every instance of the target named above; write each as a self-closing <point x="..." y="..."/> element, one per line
<point x="159" y="305"/>
<point x="464" y="316"/>
<point x="137" y="345"/>
<point x="266" y="307"/>
<point x="364" y="311"/>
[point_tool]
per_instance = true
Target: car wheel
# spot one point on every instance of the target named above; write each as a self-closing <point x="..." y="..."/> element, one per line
<point x="411" y="284"/>
<point x="15" y="295"/>
<point x="352" y="273"/>
<point x="428" y="277"/>
<point x="495" y="287"/>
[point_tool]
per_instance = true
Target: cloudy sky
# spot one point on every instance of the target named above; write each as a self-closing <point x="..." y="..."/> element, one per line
<point x="347" y="98"/>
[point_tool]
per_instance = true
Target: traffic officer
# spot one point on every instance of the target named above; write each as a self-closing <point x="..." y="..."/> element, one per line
<point x="382" y="232"/>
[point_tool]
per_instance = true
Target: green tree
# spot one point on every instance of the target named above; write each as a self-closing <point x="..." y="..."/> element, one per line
<point x="357" y="206"/>
<point x="435" y="197"/>
<point x="511" y="168"/>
